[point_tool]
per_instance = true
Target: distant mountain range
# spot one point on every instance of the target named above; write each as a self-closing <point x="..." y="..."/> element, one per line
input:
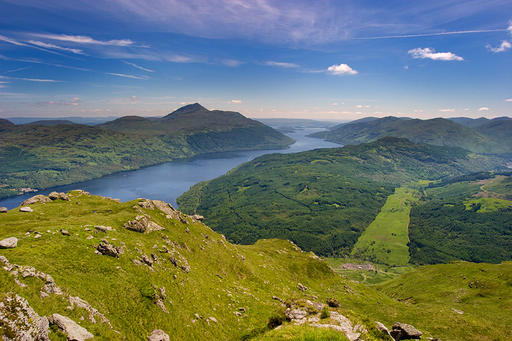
<point x="56" y="152"/>
<point x="479" y="135"/>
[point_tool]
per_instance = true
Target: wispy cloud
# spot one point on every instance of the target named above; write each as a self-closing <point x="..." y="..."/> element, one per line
<point x="483" y="109"/>
<point x="18" y="69"/>
<point x="37" y="80"/>
<point x="447" y="110"/>
<point x="429" y="53"/>
<point x="53" y="46"/>
<point x="341" y="69"/>
<point x="37" y="61"/>
<point x="138" y="67"/>
<point x="505" y="45"/>
<point x="124" y="75"/>
<point x="281" y="64"/>
<point x="179" y="59"/>
<point x="236" y="101"/>
<point x="508" y="100"/>
<point x="12" y="41"/>
<point x="232" y="62"/>
<point x="84" y="39"/>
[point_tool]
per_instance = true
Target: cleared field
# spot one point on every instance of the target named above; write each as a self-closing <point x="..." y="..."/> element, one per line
<point x="385" y="240"/>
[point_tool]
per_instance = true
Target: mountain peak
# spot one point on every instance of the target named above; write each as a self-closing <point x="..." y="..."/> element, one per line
<point x="187" y="109"/>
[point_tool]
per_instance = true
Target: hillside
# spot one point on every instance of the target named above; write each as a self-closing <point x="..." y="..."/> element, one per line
<point x="323" y="199"/>
<point x="4" y="124"/>
<point x="124" y="270"/>
<point x="41" y="156"/>
<point x="438" y="131"/>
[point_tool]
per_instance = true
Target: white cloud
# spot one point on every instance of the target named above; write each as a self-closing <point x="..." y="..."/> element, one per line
<point x="447" y="110"/>
<point x="236" y="101"/>
<point x="281" y="64"/>
<point x="138" y="67"/>
<point x="84" y="39"/>
<point x="508" y="100"/>
<point x="341" y="69"/>
<point x="510" y="27"/>
<point x="179" y="59"/>
<point x="428" y="53"/>
<point x="75" y="101"/>
<point x="56" y="47"/>
<point x="36" y="80"/>
<point x="232" y="62"/>
<point x="124" y="75"/>
<point x="361" y="106"/>
<point x="505" y="45"/>
<point x="483" y="109"/>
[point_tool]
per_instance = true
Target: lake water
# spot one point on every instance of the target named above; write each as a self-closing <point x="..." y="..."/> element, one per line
<point x="168" y="181"/>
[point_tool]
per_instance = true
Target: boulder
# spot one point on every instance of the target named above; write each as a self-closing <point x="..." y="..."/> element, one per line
<point x="296" y="315"/>
<point x="107" y="249"/>
<point x="198" y="217"/>
<point x="21" y="321"/>
<point x="26" y="209"/>
<point x="302" y="287"/>
<point x="103" y="228"/>
<point x="3" y="210"/>
<point x="143" y="224"/>
<point x="333" y="302"/>
<point x="403" y="331"/>
<point x="35" y="199"/>
<point x="158" y="335"/>
<point x="64" y="232"/>
<point x="72" y="329"/>
<point x="57" y="196"/>
<point x="9" y="243"/>
<point x="380" y="326"/>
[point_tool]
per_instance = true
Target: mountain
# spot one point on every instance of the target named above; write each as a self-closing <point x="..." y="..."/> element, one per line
<point x="42" y="156"/>
<point x="498" y="129"/>
<point x="469" y="122"/>
<point x="109" y="270"/>
<point x="51" y="122"/>
<point x="438" y="131"/>
<point x="361" y="120"/>
<point x="5" y="124"/>
<point x="323" y="200"/>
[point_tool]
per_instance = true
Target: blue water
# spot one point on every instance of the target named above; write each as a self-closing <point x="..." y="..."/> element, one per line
<point x="169" y="180"/>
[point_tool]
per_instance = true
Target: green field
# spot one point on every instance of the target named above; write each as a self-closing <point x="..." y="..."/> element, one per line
<point x="385" y="240"/>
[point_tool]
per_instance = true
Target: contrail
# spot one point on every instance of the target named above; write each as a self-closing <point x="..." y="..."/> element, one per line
<point x="430" y="34"/>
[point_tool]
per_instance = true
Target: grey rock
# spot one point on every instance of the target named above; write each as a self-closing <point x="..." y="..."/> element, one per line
<point x="9" y="243"/>
<point x="18" y="317"/>
<point x="143" y="224"/>
<point x="333" y="302"/>
<point x="103" y="228"/>
<point x="302" y="287"/>
<point x="383" y="328"/>
<point x="26" y="209"/>
<point x="35" y="199"/>
<point x="403" y="331"/>
<point x="73" y="330"/>
<point x="3" y="210"/>
<point x="107" y="249"/>
<point x="58" y="196"/>
<point x="198" y="217"/>
<point x="64" y="232"/>
<point x="158" y="335"/>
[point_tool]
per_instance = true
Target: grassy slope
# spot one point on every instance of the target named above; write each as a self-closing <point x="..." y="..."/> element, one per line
<point x="438" y="131"/>
<point x="386" y="239"/>
<point x="324" y="199"/>
<point x="220" y="280"/>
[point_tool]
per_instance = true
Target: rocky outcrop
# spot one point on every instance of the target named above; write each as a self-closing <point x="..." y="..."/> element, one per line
<point x="26" y="209"/>
<point x="107" y="249"/>
<point x="302" y="287"/>
<point x="36" y="199"/>
<point x="58" y="196"/>
<point x="403" y="331"/>
<point x="20" y="322"/>
<point x="93" y="312"/>
<point x="9" y="243"/>
<point x="3" y="209"/>
<point x="158" y="335"/>
<point x="143" y="224"/>
<point x="73" y="330"/>
<point x="198" y="217"/>
<point x="333" y="302"/>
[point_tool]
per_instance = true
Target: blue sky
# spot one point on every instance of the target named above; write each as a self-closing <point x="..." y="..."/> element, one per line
<point x="315" y="59"/>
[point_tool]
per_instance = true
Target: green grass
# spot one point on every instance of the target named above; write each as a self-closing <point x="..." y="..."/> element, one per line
<point x="486" y="205"/>
<point x="225" y="277"/>
<point x="385" y="240"/>
<point x="303" y="333"/>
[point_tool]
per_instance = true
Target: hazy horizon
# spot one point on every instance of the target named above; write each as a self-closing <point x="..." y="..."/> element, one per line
<point x="324" y="60"/>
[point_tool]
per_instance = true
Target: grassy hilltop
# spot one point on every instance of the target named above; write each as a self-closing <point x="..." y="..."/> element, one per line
<point x="41" y="155"/>
<point x="185" y="279"/>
